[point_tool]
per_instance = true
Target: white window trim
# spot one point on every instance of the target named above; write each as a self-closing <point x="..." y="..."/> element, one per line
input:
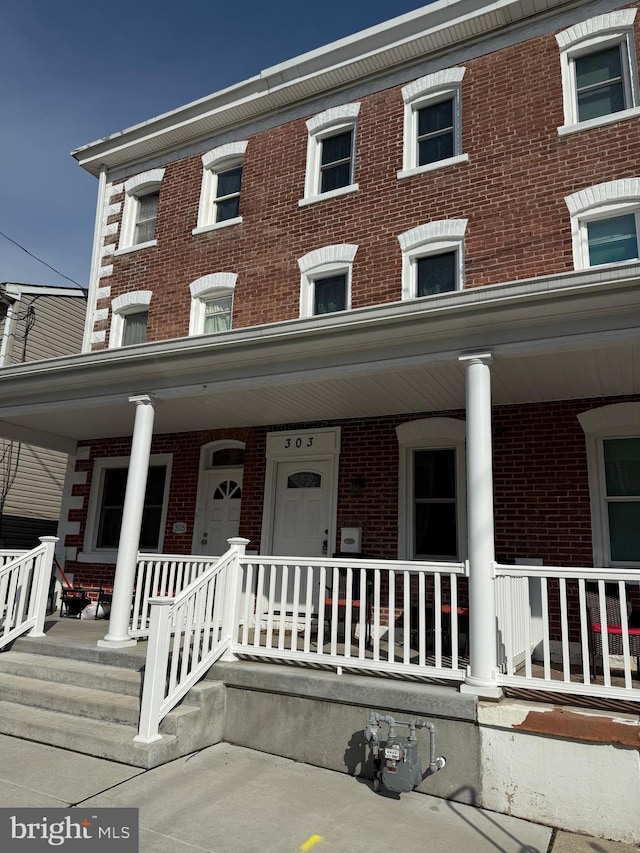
<point x="91" y="554"/>
<point x="321" y="126"/>
<point x="208" y="287"/>
<point x="588" y="37"/>
<point x="134" y="189"/>
<point x="217" y="160"/>
<point x="442" y="86"/>
<point x="128" y="303"/>
<point x="619" y="420"/>
<point x="321" y="263"/>
<point x="430" y="239"/>
<point x="612" y="198"/>
<point x="429" y="434"/>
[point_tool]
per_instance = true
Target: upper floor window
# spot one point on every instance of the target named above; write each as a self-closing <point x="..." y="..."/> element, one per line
<point x="212" y="303"/>
<point x="325" y="285"/>
<point x="331" y="154"/>
<point x="140" y="212"/>
<point x="613" y="456"/>
<point x="221" y="185"/>
<point x="599" y="75"/>
<point x="432" y="122"/>
<point x="129" y="318"/>
<point x="433" y="258"/>
<point x="605" y="222"/>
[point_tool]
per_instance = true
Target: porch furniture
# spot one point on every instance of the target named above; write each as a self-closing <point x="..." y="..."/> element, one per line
<point x="463" y="628"/>
<point x="73" y="600"/>
<point x="613" y="628"/>
<point x="104" y="600"/>
<point x="342" y="605"/>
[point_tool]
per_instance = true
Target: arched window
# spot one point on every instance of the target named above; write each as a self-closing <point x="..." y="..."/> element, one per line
<point x="140" y="212"/>
<point x="129" y="318"/>
<point x="212" y="303"/>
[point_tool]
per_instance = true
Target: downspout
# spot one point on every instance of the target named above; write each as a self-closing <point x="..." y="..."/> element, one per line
<point x="94" y="275"/>
<point x="8" y="330"/>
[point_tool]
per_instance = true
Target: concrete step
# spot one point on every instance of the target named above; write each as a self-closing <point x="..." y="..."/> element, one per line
<point x="92" y="706"/>
<point x="81" y="734"/>
<point x="64" y="670"/>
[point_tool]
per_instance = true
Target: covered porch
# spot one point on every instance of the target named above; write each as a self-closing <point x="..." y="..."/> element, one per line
<point x="451" y="360"/>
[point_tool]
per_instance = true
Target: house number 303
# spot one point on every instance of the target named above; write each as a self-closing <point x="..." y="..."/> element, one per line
<point x="298" y="442"/>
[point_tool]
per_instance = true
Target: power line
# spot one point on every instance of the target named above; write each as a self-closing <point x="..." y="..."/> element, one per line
<point x="36" y="258"/>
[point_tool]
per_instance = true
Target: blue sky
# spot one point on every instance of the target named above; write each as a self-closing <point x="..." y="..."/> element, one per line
<point x="74" y="71"/>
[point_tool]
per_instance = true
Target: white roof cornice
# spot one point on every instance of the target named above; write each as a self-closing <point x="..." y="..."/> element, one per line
<point x="401" y="41"/>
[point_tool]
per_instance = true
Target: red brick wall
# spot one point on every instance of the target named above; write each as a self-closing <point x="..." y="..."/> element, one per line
<point x="512" y="191"/>
<point x="540" y="475"/>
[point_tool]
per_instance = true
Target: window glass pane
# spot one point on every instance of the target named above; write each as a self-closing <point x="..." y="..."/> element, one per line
<point x="436" y="274"/>
<point x="612" y="240"/>
<point x="330" y="294"/>
<point x="304" y="480"/>
<point x="229" y="181"/>
<point x="599" y="83"/>
<point x="335" y="163"/>
<point x="435" y="473"/>
<point x="227" y="457"/>
<point x="228" y="489"/>
<point x="229" y="208"/>
<point x="336" y="148"/>
<point x="624" y="530"/>
<point x="435" y="531"/>
<point x="435" y="133"/>
<point x="622" y="468"/>
<point x="134" y="329"/>
<point x="113" y="491"/>
<point x="217" y="314"/>
<point x="146" y="218"/>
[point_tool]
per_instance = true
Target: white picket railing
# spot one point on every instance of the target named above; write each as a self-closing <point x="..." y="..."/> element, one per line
<point x="187" y="634"/>
<point x="385" y="616"/>
<point x="552" y="623"/>
<point x="24" y="589"/>
<point x="160" y="576"/>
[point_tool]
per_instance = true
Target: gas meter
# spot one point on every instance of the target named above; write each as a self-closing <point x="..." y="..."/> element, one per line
<point x="397" y="764"/>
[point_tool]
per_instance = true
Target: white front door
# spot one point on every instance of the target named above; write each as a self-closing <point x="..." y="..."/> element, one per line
<point x="302" y="505"/>
<point x="221" y="520"/>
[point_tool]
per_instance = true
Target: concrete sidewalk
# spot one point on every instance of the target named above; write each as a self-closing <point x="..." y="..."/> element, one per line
<point x="226" y="799"/>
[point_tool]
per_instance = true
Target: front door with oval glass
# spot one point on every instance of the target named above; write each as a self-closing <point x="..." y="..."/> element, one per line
<point x="301" y="518"/>
<point x="221" y="518"/>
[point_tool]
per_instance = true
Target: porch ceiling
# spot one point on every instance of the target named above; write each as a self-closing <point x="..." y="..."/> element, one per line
<point x="567" y="337"/>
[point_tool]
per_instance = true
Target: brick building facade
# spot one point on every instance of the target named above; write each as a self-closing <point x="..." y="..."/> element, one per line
<point x="313" y="256"/>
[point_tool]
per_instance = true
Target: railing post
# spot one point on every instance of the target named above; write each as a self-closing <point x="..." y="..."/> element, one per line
<point x="42" y="577"/>
<point x="155" y="671"/>
<point x="232" y="588"/>
<point x="482" y="676"/>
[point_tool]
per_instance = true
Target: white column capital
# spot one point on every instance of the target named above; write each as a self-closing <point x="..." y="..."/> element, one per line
<point x="477" y="358"/>
<point x="143" y="399"/>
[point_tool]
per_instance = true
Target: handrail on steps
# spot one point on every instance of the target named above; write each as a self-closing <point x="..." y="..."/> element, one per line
<point x="187" y="634"/>
<point x="24" y="590"/>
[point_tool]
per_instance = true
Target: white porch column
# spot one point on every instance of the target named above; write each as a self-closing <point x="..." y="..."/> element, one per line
<point x="481" y="678"/>
<point x="118" y="633"/>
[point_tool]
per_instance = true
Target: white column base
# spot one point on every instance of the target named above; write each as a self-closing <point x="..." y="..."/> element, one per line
<point x="481" y="689"/>
<point x="117" y="642"/>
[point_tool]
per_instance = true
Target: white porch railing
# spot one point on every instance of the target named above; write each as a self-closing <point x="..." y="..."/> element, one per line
<point x="385" y="616"/>
<point x="24" y="589"/>
<point x="557" y="625"/>
<point x="376" y="616"/>
<point x="162" y="576"/>
<point x="187" y="634"/>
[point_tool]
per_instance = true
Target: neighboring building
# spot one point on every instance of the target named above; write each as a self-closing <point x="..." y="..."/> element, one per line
<point x="36" y="322"/>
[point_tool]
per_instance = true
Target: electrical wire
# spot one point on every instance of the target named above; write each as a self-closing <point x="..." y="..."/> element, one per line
<point x="53" y="269"/>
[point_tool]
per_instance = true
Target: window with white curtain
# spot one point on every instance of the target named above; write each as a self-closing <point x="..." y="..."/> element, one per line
<point x="212" y="303"/>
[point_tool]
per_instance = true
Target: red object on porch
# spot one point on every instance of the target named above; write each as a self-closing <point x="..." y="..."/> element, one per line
<point x="615" y="629"/>
<point x="461" y="611"/>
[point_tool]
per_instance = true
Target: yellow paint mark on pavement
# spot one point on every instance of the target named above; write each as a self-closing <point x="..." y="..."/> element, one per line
<point x="310" y="842"/>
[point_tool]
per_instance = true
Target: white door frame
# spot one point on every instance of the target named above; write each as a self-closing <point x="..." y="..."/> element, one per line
<point x="300" y="445"/>
<point x="201" y="497"/>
